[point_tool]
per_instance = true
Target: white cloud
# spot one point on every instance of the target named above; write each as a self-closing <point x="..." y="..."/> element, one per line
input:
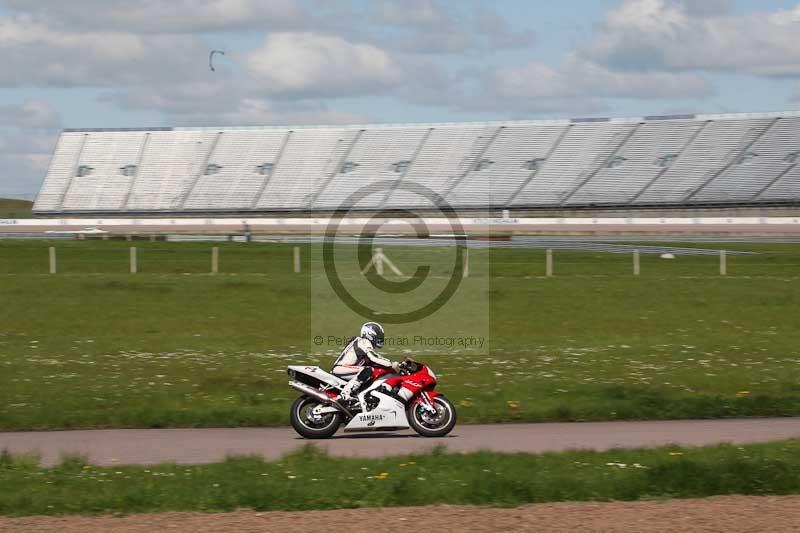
<point x="23" y="141"/>
<point x="525" y="108"/>
<point x="160" y="16"/>
<point x="255" y="111"/>
<point x="428" y="82"/>
<point x="195" y="97"/>
<point x="497" y="30"/>
<point x="231" y="103"/>
<point x="581" y="84"/>
<point x="427" y="27"/>
<point x="38" y="55"/>
<point x="704" y="8"/>
<point x="308" y="64"/>
<point x="444" y="41"/>
<point x="24" y="156"/>
<point x="411" y="13"/>
<point x="659" y="34"/>
<point x="796" y="94"/>
<point x="30" y="114"/>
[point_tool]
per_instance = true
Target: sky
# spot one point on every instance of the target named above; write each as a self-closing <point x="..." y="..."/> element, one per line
<point x="140" y="63"/>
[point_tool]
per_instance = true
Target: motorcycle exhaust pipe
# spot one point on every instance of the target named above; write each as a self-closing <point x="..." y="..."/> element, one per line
<point x="317" y="395"/>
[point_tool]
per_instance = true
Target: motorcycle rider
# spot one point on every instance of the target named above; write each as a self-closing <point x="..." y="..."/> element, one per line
<point x="356" y="360"/>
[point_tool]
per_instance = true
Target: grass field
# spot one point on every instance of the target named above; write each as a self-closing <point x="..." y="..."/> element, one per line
<point x="15" y="208"/>
<point x="94" y="346"/>
<point x="309" y="479"/>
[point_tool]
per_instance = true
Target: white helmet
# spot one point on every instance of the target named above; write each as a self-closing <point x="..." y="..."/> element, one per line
<point x="373" y="332"/>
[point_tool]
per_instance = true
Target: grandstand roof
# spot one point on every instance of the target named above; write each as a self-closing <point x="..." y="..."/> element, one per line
<point x="678" y="160"/>
<point x="370" y="125"/>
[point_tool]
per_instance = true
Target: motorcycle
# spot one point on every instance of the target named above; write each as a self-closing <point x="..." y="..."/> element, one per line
<point x="319" y="412"/>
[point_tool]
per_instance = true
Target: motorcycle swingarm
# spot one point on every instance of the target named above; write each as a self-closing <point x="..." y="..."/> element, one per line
<point x="325" y="409"/>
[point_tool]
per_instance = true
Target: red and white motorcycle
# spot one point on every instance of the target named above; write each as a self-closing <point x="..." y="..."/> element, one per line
<point x="317" y="414"/>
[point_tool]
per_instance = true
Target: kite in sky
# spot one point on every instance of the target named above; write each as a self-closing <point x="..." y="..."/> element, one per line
<point x="211" y="58"/>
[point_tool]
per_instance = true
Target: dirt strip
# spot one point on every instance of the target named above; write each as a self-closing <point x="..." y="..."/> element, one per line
<point x="723" y="513"/>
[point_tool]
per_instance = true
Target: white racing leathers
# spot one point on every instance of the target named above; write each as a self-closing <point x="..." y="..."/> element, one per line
<point x="355" y="362"/>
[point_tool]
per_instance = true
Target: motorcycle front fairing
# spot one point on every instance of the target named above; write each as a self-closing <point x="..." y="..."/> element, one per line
<point x="416" y="382"/>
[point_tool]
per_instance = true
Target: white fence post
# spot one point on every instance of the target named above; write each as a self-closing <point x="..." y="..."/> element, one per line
<point x="466" y="262"/>
<point x="214" y="260"/>
<point x="296" y="259"/>
<point x="636" y="269"/>
<point x="134" y="265"/>
<point x="723" y="263"/>
<point x="549" y="263"/>
<point x="52" y="260"/>
<point x="378" y="261"/>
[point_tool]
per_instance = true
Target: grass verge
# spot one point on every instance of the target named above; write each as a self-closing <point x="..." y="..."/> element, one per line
<point x="15" y="208"/>
<point x="174" y="346"/>
<point x="309" y="479"/>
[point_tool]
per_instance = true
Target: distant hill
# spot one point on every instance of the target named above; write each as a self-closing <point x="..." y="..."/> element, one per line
<point x="15" y="208"/>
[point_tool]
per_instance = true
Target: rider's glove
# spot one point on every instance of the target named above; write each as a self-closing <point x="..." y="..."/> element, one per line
<point x="395" y="366"/>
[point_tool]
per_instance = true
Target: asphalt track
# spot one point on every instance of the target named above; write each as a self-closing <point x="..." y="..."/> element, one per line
<point x="199" y="446"/>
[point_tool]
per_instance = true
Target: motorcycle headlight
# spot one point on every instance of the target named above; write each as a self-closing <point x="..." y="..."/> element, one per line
<point x="431" y="374"/>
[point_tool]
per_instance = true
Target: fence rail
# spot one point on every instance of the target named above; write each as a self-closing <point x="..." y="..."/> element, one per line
<point x="294" y="263"/>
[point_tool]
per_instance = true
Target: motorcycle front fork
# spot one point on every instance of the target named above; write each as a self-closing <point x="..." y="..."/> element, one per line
<point x="427" y="403"/>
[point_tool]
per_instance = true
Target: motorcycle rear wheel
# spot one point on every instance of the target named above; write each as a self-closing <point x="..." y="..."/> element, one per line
<point x="429" y="424"/>
<point x="311" y="428"/>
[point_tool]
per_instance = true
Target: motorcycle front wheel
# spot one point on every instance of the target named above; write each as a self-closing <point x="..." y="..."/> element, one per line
<point x="312" y="426"/>
<point x="430" y="424"/>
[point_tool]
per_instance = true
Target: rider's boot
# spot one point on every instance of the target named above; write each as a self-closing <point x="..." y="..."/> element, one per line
<point x="351" y="388"/>
<point x="348" y="393"/>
